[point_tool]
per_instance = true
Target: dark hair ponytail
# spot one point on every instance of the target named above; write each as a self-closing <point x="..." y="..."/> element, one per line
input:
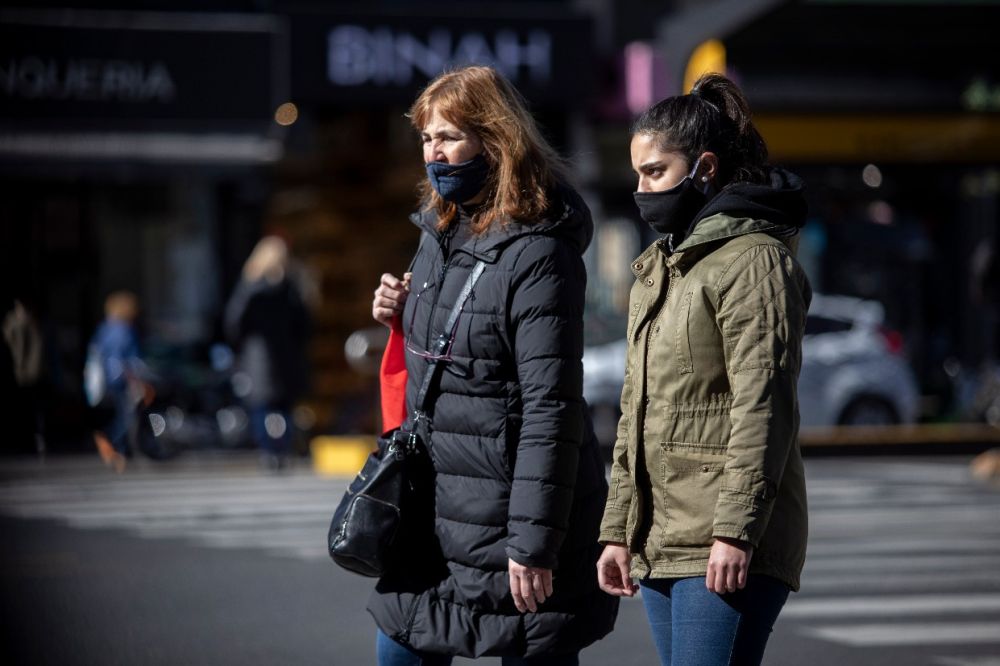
<point x="714" y="117"/>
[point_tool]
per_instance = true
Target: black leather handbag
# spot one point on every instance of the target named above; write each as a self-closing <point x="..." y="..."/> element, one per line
<point x="391" y="500"/>
<point x="367" y="522"/>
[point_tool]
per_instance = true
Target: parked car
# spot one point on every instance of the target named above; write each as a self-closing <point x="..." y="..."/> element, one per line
<point x="854" y="370"/>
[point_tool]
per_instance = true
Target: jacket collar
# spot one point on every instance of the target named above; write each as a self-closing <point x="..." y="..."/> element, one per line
<point x="722" y="227"/>
<point x="708" y="231"/>
<point x="644" y="266"/>
<point x="489" y="246"/>
<point x="718" y="227"/>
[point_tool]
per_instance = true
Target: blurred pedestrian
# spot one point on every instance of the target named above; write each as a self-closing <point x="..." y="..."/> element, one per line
<point x="519" y="481"/>
<point x="267" y="321"/>
<point x="112" y="376"/>
<point x="984" y="290"/>
<point x="21" y="362"/>
<point x="22" y="337"/>
<point x="8" y="372"/>
<point x="708" y="503"/>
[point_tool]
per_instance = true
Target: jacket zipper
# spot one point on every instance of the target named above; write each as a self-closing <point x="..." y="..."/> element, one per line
<point x="644" y="406"/>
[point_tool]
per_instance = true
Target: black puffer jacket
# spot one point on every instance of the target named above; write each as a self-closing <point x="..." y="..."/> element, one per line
<point x="518" y="472"/>
<point x="269" y="324"/>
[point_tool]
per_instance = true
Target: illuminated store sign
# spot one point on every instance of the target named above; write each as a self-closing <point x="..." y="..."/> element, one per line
<point x="383" y="56"/>
<point x="91" y="79"/>
<point x="372" y="60"/>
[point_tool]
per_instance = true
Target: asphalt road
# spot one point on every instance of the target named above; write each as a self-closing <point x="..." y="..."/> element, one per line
<point x="207" y="561"/>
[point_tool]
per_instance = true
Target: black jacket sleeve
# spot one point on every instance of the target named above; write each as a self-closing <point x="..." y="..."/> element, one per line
<point x="545" y="319"/>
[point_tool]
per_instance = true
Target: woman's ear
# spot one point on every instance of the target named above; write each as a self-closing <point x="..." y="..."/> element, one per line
<point x="708" y="169"/>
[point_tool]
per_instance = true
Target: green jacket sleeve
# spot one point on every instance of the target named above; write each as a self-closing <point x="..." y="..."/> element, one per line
<point x="763" y="299"/>
<point x="613" y="526"/>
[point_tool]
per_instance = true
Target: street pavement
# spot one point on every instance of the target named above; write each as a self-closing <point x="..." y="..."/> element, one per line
<point x="206" y="560"/>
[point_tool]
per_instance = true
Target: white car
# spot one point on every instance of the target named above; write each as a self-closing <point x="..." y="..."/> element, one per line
<point x="854" y="371"/>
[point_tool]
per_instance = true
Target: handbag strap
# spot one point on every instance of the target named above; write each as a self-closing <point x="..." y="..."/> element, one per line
<point x="444" y="340"/>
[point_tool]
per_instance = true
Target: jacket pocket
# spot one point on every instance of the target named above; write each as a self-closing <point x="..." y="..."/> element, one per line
<point x="682" y="338"/>
<point x="691" y="475"/>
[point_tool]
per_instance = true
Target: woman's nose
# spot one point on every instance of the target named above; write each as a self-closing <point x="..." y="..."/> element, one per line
<point x="437" y="154"/>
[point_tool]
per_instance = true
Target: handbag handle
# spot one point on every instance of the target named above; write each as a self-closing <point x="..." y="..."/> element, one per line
<point x="441" y="344"/>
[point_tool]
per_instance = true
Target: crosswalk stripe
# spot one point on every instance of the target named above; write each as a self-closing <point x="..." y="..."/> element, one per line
<point x="164" y="478"/>
<point x="968" y="661"/>
<point x="819" y="548"/>
<point x="171" y="523"/>
<point x="159" y="506"/>
<point x="898" y="563"/>
<point x="261" y="539"/>
<point x="822" y="518"/>
<point x="138" y="492"/>
<point x="893" y="606"/>
<point x="285" y="514"/>
<point x="884" y="635"/>
<point x="864" y="495"/>
<point x="942" y="532"/>
<point x="311" y="552"/>
<point x="88" y="518"/>
<point x="840" y="583"/>
<point x="920" y="473"/>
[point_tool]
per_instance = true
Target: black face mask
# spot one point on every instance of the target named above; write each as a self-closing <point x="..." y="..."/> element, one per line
<point x="672" y="211"/>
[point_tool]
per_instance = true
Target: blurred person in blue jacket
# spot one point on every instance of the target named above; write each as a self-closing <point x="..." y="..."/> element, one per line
<point x="112" y="372"/>
<point x="267" y="321"/>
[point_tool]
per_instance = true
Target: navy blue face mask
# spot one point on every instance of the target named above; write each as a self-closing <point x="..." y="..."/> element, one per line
<point x="459" y="182"/>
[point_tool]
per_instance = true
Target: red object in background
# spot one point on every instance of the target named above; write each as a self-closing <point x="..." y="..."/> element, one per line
<point x="392" y="379"/>
<point x="893" y="340"/>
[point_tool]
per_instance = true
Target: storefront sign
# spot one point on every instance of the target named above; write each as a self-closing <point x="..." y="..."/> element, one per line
<point x="155" y="70"/>
<point x="33" y="78"/>
<point x="383" y="56"/>
<point x="372" y="60"/>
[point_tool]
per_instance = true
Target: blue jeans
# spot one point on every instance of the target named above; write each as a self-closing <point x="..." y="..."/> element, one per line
<point x="119" y="430"/>
<point x="391" y="653"/>
<point x="694" y="627"/>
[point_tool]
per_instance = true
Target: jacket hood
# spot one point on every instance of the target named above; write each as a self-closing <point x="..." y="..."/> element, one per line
<point x="778" y="207"/>
<point x="568" y="217"/>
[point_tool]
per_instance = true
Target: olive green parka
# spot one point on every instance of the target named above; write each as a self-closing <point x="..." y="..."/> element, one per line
<point x="707" y="442"/>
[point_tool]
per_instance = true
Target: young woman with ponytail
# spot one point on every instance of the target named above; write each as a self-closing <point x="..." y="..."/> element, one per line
<point x="707" y="505"/>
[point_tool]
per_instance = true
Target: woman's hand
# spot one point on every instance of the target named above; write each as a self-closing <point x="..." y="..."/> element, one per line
<point x="728" y="563"/>
<point x="529" y="586"/>
<point x="613" y="571"/>
<point x="390" y="297"/>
